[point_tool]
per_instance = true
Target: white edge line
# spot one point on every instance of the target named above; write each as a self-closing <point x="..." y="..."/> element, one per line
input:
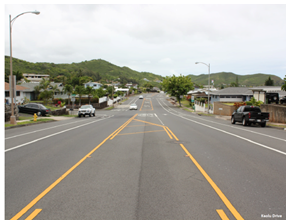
<point x="259" y="144"/>
<point x="54" y="134"/>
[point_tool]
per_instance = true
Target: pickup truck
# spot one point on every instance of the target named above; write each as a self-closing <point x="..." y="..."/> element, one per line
<point x="86" y="110"/>
<point x="248" y="115"/>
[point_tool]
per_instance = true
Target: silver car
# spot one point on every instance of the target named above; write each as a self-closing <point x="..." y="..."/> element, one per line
<point x="133" y="106"/>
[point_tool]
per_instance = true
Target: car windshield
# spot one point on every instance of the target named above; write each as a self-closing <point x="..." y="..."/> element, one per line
<point x="133" y="104"/>
<point x="85" y="107"/>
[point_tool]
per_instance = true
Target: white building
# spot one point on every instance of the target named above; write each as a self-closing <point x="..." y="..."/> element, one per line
<point x="35" y="77"/>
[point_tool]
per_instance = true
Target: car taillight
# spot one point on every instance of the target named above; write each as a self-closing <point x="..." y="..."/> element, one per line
<point x="268" y="115"/>
<point x="47" y="110"/>
<point x="249" y="115"/>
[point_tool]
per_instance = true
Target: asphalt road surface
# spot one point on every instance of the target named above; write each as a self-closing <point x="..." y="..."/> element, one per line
<point x="155" y="163"/>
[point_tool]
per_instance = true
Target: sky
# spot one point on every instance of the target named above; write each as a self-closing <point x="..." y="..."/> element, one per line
<point x="163" y="39"/>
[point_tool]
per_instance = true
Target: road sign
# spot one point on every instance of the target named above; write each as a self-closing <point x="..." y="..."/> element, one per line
<point x="73" y="99"/>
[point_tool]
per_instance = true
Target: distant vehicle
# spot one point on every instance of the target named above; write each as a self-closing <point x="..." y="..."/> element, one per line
<point x="32" y="108"/>
<point x="133" y="106"/>
<point x="140" y="97"/>
<point x="86" y="110"/>
<point x="248" y="115"/>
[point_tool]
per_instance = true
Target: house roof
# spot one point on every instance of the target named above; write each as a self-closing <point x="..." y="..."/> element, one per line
<point x="233" y="91"/>
<point x="18" y="88"/>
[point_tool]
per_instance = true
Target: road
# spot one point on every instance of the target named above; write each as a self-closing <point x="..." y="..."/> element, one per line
<point x="155" y="163"/>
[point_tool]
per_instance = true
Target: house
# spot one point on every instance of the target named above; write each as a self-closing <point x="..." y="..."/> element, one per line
<point x="21" y="93"/>
<point x="34" y="77"/>
<point x="31" y="94"/>
<point x="94" y="85"/>
<point x="231" y="94"/>
<point x="129" y="85"/>
<point x="268" y="94"/>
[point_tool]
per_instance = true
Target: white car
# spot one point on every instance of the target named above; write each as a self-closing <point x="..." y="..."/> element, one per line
<point x="133" y="106"/>
<point x="140" y="97"/>
<point x="86" y="110"/>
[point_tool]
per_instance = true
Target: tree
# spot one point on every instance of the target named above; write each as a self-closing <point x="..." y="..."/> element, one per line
<point x="177" y="86"/>
<point x="68" y="89"/>
<point x="269" y="82"/>
<point x="89" y="91"/>
<point x="43" y="88"/>
<point x="283" y="87"/>
<point x="80" y="90"/>
<point x="255" y="102"/>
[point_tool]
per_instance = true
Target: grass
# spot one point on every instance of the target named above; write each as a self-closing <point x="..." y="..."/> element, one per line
<point x="28" y="122"/>
<point x="109" y="108"/>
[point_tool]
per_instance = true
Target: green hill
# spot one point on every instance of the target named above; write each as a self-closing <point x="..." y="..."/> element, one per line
<point x="103" y="71"/>
<point x="97" y="69"/>
<point x="225" y="78"/>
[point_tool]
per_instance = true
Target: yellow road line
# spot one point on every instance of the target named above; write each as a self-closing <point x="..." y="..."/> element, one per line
<point x="172" y="134"/>
<point x="142" y="104"/>
<point x="222" y="214"/>
<point x="140" y="132"/>
<point x="214" y="186"/>
<point x="148" y="122"/>
<point x="151" y="105"/>
<point x="33" y="214"/>
<point x="121" y="128"/>
<point x="167" y="132"/>
<point x="47" y="190"/>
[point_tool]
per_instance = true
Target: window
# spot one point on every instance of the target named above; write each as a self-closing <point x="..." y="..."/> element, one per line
<point x="7" y="94"/>
<point x="17" y="93"/>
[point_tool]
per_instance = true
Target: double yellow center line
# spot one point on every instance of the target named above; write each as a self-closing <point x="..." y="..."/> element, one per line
<point x="47" y="190"/>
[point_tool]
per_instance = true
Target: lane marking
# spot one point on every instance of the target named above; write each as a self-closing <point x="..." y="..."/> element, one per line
<point x="123" y="134"/>
<point x="214" y="186"/>
<point x="159" y="119"/>
<point x="148" y="122"/>
<point x="54" y="134"/>
<point x="231" y="134"/>
<point x="33" y="214"/>
<point x="167" y="132"/>
<point x="222" y="214"/>
<point x="23" y="134"/>
<point x="121" y="128"/>
<point x="182" y="114"/>
<point x="172" y="134"/>
<point x="142" y="104"/>
<point x="47" y="190"/>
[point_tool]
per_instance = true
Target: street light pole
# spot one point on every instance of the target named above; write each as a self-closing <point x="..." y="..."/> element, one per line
<point x="13" y="118"/>
<point x="208" y="65"/>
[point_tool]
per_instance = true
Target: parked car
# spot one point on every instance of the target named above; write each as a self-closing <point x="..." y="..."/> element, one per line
<point x="283" y="100"/>
<point x="140" y="97"/>
<point x="248" y="115"/>
<point x="32" y="108"/>
<point x="133" y="106"/>
<point x="86" y="110"/>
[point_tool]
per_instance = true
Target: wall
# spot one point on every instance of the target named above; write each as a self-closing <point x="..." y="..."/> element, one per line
<point x="221" y="109"/>
<point x="277" y="113"/>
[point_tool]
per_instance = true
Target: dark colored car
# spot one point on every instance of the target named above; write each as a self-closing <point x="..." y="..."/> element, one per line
<point x="283" y="100"/>
<point x="32" y="108"/>
<point x="248" y="115"/>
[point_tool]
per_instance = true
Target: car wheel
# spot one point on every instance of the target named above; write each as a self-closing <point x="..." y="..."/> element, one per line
<point x="90" y="114"/>
<point x="263" y="124"/>
<point x="94" y="113"/>
<point x="244" y="123"/>
<point x="232" y="120"/>
<point x="38" y="113"/>
<point x="79" y="116"/>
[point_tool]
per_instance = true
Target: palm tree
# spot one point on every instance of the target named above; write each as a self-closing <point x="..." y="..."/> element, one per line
<point x="80" y="90"/>
<point x="89" y="91"/>
<point x="68" y="89"/>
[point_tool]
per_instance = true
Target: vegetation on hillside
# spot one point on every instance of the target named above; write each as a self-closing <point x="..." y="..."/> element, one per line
<point x="97" y="70"/>
<point x="225" y="79"/>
